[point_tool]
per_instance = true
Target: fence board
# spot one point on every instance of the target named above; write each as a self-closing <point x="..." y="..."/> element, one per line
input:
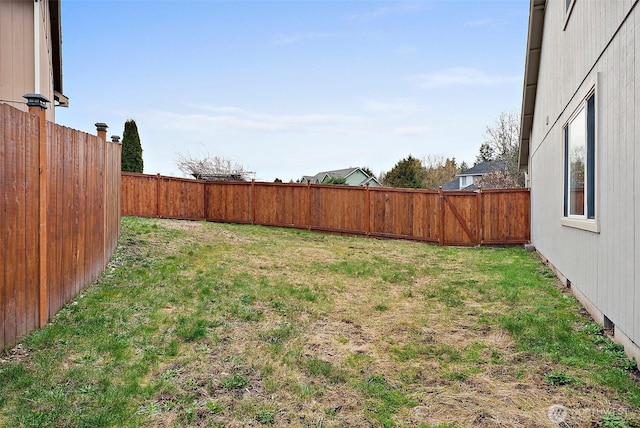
<point x="32" y="217"/>
<point x="54" y="219"/>
<point x="20" y="230"/>
<point x="5" y="122"/>
<point x="81" y="201"/>
<point x="13" y="260"/>
<point x="110" y="215"/>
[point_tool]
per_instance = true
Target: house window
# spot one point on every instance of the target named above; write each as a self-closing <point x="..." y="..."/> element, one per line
<point x="579" y="162"/>
<point x="466" y="181"/>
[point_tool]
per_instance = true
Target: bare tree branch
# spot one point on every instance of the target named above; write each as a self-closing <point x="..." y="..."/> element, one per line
<point x="502" y="141"/>
<point x="214" y="168"/>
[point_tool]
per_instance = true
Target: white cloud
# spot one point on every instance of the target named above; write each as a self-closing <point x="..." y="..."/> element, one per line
<point x="229" y="118"/>
<point x="461" y="76"/>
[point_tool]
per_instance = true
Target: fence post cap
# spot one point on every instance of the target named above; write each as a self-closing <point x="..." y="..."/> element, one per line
<point x="115" y="139"/>
<point x="101" y="127"/>
<point x="36" y="100"/>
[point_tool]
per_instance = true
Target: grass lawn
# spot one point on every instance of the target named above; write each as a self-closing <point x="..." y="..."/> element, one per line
<point x="202" y="324"/>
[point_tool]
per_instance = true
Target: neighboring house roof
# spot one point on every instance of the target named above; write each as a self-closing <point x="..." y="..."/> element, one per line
<point x="371" y="181"/>
<point x="452" y="185"/>
<point x="531" y="69"/>
<point x="485" y="167"/>
<point x="476" y="171"/>
<point x="341" y="173"/>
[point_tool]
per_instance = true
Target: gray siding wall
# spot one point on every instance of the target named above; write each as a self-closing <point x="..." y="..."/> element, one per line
<point x="597" y="47"/>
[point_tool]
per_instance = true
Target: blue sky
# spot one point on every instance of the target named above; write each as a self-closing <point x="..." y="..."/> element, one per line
<point x="292" y="88"/>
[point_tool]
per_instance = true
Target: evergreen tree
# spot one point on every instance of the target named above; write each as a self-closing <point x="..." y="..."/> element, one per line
<point x="131" y="148"/>
<point x="408" y="173"/>
<point x="367" y="171"/>
<point x="486" y="153"/>
<point x="335" y="180"/>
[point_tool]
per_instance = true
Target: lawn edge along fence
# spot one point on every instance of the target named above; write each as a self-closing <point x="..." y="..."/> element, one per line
<point x="463" y="218"/>
<point x="59" y="216"/>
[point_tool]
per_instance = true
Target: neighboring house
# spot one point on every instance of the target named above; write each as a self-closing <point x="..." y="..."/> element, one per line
<point x="30" y="53"/>
<point x="580" y="146"/>
<point x="352" y="177"/>
<point x="467" y="180"/>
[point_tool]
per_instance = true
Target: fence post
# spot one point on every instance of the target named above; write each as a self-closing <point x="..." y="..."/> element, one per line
<point x="367" y="209"/>
<point x="308" y="206"/>
<point x="252" y="201"/>
<point x="101" y="129"/>
<point x="205" y="201"/>
<point x="158" y="195"/>
<point x="480" y="210"/>
<point x="37" y="105"/>
<point x="115" y="139"/>
<point x="441" y="215"/>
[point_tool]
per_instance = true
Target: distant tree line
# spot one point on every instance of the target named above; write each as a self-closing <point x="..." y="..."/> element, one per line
<point x="501" y="143"/>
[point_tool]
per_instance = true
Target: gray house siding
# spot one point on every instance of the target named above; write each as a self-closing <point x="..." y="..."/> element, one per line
<point x="597" y="47"/>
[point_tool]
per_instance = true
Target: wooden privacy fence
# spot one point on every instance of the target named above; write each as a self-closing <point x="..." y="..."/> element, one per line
<point x="487" y="217"/>
<point x="59" y="216"/>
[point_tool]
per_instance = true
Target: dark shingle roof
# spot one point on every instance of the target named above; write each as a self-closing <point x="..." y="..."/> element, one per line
<point x="452" y="185"/>
<point x="485" y="167"/>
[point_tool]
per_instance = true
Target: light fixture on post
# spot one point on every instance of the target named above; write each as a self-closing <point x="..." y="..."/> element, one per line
<point x="36" y="100"/>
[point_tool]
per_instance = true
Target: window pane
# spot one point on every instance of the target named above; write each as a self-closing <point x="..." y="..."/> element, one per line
<point x="591" y="156"/>
<point x="577" y="162"/>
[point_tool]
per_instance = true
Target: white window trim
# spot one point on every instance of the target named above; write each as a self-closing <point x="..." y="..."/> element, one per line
<point x="581" y="108"/>
<point x="582" y="222"/>
<point x="590" y="225"/>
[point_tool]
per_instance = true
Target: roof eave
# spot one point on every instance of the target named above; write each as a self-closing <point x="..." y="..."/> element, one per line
<point x="56" y="51"/>
<point x="531" y="69"/>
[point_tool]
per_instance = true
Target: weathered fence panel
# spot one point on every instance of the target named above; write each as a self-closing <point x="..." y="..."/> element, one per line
<point x="285" y="205"/>
<point x="338" y="209"/>
<point x="59" y="216"/>
<point x="136" y="185"/>
<point x="491" y="217"/>
<point x="180" y="198"/>
<point x="460" y="218"/>
<point x="505" y="215"/>
<point x="228" y="202"/>
<point x="399" y="213"/>
<point x="18" y="214"/>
